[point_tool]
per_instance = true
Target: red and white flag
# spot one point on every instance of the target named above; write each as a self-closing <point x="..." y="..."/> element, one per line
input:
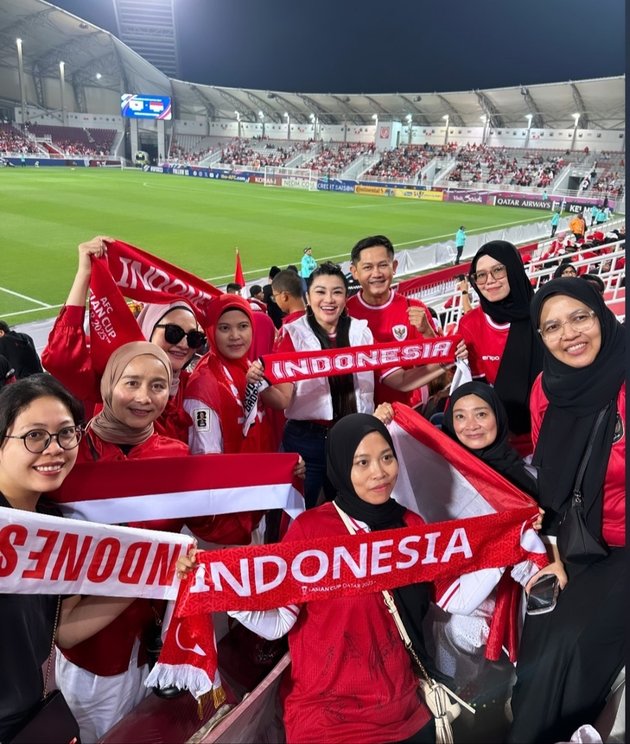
<point x="127" y="271"/>
<point x="239" y="277"/>
<point x="441" y="480"/>
<point x="176" y="487"/>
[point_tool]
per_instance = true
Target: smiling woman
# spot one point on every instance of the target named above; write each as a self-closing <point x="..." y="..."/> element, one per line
<point x="39" y="438"/>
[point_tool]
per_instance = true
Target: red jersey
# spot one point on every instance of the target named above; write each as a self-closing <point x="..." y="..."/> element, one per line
<point x="614" y="505"/>
<point x="389" y="322"/>
<point x="485" y="341"/>
<point x="351" y="677"/>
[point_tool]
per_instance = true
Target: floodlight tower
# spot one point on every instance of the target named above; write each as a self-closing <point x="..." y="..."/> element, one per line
<point x="529" y="118"/>
<point x="446" y="118"/>
<point x="18" y="44"/>
<point x="576" y="118"/>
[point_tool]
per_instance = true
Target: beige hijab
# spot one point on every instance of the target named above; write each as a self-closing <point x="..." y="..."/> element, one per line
<point x="105" y="424"/>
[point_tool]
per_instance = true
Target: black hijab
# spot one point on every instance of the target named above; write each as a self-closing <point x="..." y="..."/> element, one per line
<point x="498" y="455"/>
<point x="522" y="359"/>
<point x="576" y="396"/>
<point x="345" y="436"/>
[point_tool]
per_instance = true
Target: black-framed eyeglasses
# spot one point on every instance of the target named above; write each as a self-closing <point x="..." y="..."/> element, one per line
<point x="174" y="334"/>
<point x="481" y="277"/>
<point x="38" y="440"/>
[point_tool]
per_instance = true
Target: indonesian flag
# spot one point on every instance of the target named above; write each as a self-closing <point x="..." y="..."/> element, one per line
<point x="239" y="277"/>
<point x="139" y="275"/>
<point x="441" y="480"/>
<point x="176" y="487"/>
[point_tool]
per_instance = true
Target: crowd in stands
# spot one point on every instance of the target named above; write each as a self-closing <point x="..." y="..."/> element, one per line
<point x="402" y="162"/>
<point x="332" y="159"/>
<point x="483" y="164"/>
<point x="13" y="142"/>
<point x="608" y="182"/>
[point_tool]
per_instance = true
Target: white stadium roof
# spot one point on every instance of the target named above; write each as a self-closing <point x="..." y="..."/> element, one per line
<point x="51" y="35"/>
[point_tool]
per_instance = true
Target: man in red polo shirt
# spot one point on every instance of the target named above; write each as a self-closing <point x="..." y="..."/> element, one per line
<point x="390" y="316"/>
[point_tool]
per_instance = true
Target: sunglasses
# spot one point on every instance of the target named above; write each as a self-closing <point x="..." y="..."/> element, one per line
<point x="174" y="334"/>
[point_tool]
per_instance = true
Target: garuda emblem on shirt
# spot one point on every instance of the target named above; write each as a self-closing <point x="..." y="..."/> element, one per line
<point x="400" y="332"/>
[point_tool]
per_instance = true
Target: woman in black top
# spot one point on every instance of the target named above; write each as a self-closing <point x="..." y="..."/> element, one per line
<point x="39" y="434"/>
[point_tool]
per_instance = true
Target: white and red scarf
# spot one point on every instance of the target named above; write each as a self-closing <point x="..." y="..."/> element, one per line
<point x="127" y="271"/>
<point x="303" y="365"/>
<point x="179" y="487"/>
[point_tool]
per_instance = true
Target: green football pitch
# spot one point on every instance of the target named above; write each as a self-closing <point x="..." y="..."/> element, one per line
<point x="197" y="224"/>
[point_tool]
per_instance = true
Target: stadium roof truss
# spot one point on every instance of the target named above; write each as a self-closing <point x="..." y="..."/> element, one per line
<point x="100" y="67"/>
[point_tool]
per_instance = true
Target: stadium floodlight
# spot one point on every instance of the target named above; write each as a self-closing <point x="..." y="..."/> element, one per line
<point x="18" y="44"/>
<point x="311" y="117"/>
<point x="62" y="85"/>
<point x="261" y="115"/>
<point x="409" y="118"/>
<point x="576" y="117"/>
<point x="529" y="118"/>
<point x="98" y="76"/>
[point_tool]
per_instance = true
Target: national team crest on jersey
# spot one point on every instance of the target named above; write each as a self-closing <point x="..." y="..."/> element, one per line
<point x="400" y="332"/>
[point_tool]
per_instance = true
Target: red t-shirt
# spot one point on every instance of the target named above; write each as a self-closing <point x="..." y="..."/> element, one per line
<point x="389" y="322"/>
<point x="351" y="677"/>
<point x="485" y="341"/>
<point x="614" y="506"/>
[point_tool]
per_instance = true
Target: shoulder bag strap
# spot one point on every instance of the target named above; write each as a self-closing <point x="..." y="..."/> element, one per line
<point x="52" y="647"/>
<point x="579" y="478"/>
<point x="402" y="631"/>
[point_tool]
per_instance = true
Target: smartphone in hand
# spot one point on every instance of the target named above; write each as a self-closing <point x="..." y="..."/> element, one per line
<point x="543" y="595"/>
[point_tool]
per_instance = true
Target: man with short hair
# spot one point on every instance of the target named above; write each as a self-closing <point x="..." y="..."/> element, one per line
<point x="233" y="288"/>
<point x="286" y="290"/>
<point x="390" y="316"/>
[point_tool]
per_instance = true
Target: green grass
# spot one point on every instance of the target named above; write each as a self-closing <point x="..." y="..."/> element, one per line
<point x="45" y="213"/>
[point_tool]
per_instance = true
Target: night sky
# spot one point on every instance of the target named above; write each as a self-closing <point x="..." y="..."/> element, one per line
<point x="379" y="46"/>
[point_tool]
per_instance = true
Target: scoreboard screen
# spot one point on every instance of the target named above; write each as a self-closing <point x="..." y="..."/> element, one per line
<point x="140" y="106"/>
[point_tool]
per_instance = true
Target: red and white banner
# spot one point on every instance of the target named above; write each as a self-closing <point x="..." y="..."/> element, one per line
<point x="303" y="365"/>
<point x="293" y="572"/>
<point x="43" y="554"/>
<point x="174" y="487"/>
<point x="134" y="273"/>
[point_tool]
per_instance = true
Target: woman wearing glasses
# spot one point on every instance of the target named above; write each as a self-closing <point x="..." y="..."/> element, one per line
<point x="39" y="437"/>
<point x="570" y="657"/>
<point x="502" y="346"/>
<point x="173" y="328"/>
<point x="103" y="677"/>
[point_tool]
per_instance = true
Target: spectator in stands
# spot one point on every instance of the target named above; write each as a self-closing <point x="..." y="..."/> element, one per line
<point x="555" y="221"/>
<point x="287" y="293"/>
<point x="570" y="657"/>
<point x="594" y="211"/>
<point x="19" y="349"/>
<point x="390" y="316"/>
<point x="39" y="427"/>
<point x="173" y="327"/>
<point x="273" y="310"/>
<point x="601" y="216"/>
<point x="233" y="288"/>
<point x="312" y="406"/>
<point x="460" y="242"/>
<point x="255" y="292"/>
<point x="501" y="342"/>
<point x="566" y="269"/>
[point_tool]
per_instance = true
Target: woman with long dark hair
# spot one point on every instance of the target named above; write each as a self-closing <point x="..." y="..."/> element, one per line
<point x="40" y="431"/>
<point x="570" y="657"/>
<point x="313" y="406"/>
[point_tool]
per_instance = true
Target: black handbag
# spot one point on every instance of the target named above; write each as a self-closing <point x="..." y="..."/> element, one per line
<point x="576" y="544"/>
<point x="51" y="720"/>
